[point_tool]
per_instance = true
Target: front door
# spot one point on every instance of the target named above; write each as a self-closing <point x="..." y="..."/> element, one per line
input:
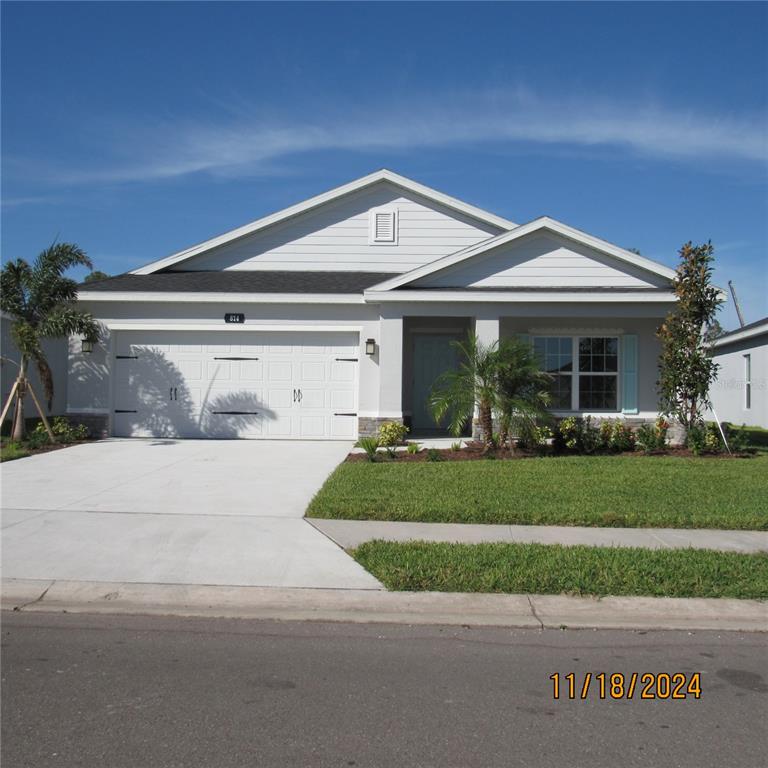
<point x="433" y="355"/>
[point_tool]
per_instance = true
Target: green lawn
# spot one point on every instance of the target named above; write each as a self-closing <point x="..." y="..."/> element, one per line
<point x="554" y="569"/>
<point x="642" y="491"/>
<point x="11" y="451"/>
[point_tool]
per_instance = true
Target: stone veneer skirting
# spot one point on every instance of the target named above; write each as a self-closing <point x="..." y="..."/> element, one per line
<point x="97" y="423"/>
<point x="369" y="426"/>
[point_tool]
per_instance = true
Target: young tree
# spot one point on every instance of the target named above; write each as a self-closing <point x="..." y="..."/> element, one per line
<point x="523" y="389"/>
<point x="42" y="304"/>
<point x="474" y="382"/>
<point x="686" y="371"/>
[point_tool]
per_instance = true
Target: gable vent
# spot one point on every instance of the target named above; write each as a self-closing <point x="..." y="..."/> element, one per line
<point x="383" y="226"/>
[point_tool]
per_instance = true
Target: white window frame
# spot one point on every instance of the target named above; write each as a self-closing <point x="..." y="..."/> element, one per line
<point x="393" y="213"/>
<point x="747" y="381"/>
<point x="575" y="373"/>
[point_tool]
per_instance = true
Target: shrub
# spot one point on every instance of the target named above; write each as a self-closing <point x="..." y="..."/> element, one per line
<point x="392" y="433"/>
<point x="456" y="446"/>
<point x="412" y="448"/>
<point x="653" y="437"/>
<point x="434" y="455"/>
<point x="61" y="428"/>
<point x="617" y="436"/>
<point x="370" y="445"/>
<point x="534" y="437"/>
<point x="738" y="439"/>
<point x="578" y="434"/>
<point x="704" y="438"/>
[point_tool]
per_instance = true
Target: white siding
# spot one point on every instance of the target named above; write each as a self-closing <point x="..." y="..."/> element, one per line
<point x="541" y="260"/>
<point x="728" y="394"/>
<point x="337" y="237"/>
<point x="56" y="355"/>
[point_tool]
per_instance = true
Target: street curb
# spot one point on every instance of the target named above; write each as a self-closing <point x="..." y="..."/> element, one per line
<point x="379" y="606"/>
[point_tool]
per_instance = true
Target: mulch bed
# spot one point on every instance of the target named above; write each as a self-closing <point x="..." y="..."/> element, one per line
<point x="474" y="452"/>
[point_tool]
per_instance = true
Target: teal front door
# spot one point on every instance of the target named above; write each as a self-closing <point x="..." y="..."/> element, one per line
<point x="433" y="354"/>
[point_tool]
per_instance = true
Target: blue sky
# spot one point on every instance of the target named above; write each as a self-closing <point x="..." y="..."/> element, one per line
<point x="138" y="129"/>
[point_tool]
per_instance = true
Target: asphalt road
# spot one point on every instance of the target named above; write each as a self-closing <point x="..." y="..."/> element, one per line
<point x="158" y="692"/>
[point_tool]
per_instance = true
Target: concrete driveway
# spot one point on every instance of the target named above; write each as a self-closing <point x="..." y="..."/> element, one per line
<point x="174" y="512"/>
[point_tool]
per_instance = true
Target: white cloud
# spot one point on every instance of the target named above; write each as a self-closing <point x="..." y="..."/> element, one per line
<point x="243" y="143"/>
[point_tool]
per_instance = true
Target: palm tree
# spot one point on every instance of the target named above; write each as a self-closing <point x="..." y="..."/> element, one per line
<point x="523" y="389"/>
<point x="42" y="304"/>
<point x="474" y="382"/>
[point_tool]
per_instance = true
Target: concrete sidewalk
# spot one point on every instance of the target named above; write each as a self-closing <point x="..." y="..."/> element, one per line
<point x="374" y="606"/>
<point x="351" y="533"/>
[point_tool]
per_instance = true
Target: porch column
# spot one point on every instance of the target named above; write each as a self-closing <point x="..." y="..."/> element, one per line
<point x="391" y="367"/>
<point x="487" y="332"/>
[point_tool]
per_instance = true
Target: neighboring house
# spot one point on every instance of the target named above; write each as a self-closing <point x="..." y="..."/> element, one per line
<point x="332" y="316"/>
<point x="56" y="355"/>
<point x="740" y="394"/>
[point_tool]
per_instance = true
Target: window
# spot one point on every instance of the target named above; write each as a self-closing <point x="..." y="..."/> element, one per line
<point x="383" y="226"/>
<point x="555" y="356"/>
<point x="747" y="381"/>
<point x="599" y="359"/>
<point x="590" y="385"/>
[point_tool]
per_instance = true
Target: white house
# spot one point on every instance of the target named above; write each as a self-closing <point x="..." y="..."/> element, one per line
<point x="55" y="353"/>
<point x="740" y="394"/>
<point x="329" y="317"/>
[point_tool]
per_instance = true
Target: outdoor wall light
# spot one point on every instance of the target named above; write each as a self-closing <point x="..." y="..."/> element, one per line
<point x="370" y="347"/>
<point x="87" y="346"/>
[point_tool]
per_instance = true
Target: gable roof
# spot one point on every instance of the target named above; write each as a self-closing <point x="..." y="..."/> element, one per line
<point x="322" y="199"/>
<point x="749" y="331"/>
<point x="544" y="223"/>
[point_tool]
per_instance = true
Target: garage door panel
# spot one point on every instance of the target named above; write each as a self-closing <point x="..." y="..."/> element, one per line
<point x="279" y="398"/>
<point x="313" y="398"/>
<point x="343" y="427"/>
<point x="251" y="371"/>
<point x="176" y="386"/>
<point x="312" y="371"/>
<point x="343" y="370"/>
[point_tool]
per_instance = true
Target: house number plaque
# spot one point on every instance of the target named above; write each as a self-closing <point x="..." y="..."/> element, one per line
<point x="234" y="317"/>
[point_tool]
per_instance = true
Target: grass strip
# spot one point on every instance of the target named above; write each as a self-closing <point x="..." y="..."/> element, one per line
<point x="556" y="569"/>
<point x="633" y="492"/>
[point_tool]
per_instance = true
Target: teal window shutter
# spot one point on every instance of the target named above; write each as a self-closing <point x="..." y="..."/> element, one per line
<point x="629" y="401"/>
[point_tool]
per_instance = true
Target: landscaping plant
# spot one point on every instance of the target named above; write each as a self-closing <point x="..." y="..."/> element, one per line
<point x="370" y="445"/>
<point x="474" y="383"/>
<point x="523" y="390"/>
<point x="412" y="448"/>
<point x="41" y="302"/>
<point x="392" y="433"/>
<point x="501" y="378"/>
<point x="686" y="370"/>
<point x="653" y="437"/>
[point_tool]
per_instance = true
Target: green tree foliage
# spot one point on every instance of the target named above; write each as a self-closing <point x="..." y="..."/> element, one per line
<point x="686" y="371"/>
<point x="502" y="378"/>
<point x="97" y="274"/>
<point x="42" y="303"/>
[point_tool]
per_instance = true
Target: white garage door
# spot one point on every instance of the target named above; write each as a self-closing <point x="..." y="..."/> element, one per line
<point x="236" y="384"/>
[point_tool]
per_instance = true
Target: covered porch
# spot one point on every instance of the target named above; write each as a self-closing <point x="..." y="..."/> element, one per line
<point x="604" y="363"/>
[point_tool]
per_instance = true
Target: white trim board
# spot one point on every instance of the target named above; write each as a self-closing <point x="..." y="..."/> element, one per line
<point x="222" y="298"/>
<point x="516" y="297"/>
<point x="318" y="200"/>
<point x="545" y="223"/>
<point x="239" y="327"/>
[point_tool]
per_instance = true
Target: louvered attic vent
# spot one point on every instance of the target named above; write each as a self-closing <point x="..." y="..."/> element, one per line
<point x="383" y="226"/>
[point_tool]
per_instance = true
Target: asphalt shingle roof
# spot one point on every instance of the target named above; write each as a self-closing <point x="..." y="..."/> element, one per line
<point x="241" y="281"/>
